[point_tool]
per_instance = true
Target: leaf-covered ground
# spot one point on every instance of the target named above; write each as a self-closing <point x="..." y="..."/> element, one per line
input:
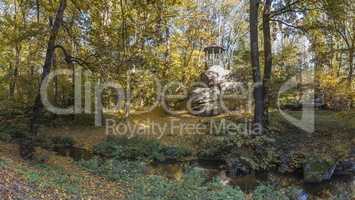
<point x="58" y="179"/>
<point x="334" y="135"/>
<point x="334" y="132"/>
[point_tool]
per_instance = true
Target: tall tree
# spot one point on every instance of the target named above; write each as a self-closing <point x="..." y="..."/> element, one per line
<point x="267" y="57"/>
<point x="254" y="49"/>
<point x="38" y="106"/>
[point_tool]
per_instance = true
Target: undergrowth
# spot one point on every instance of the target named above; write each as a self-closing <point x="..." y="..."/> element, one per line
<point x="139" y="148"/>
<point x="194" y="186"/>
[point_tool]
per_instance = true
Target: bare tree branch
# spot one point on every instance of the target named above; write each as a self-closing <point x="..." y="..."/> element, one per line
<point x="289" y="25"/>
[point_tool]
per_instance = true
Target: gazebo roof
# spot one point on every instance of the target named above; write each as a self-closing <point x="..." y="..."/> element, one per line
<point x="213" y="47"/>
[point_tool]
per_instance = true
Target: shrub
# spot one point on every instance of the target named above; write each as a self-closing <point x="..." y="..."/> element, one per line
<point x="268" y="192"/>
<point x="107" y="149"/>
<point x="294" y="192"/>
<point x="227" y="193"/>
<point x="91" y="165"/>
<point x="192" y="186"/>
<point x="2" y="163"/>
<point x="46" y="176"/>
<point x="114" y="169"/>
<point x="11" y="131"/>
<point x="128" y="148"/>
<point x="138" y="148"/>
<point x="258" y="152"/>
<point x="175" y="153"/>
<point x="62" y="142"/>
<point x="218" y="191"/>
<point x="5" y="137"/>
<point x="126" y="170"/>
<point x="152" y="188"/>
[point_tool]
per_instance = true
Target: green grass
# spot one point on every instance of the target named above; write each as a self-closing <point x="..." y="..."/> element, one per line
<point x="45" y="176"/>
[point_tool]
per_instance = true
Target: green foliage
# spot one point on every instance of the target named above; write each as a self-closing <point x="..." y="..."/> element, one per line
<point x="62" y="142"/>
<point x="174" y="152"/>
<point x="91" y="165"/>
<point x="257" y="151"/>
<point x="227" y="193"/>
<point x="2" y="163"/>
<point x="32" y="177"/>
<point x="46" y="176"/>
<point x="268" y="192"/>
<point x="213" y="148"/>
<point x="125" y="170"/>
<point x="152" y="188"/>
<point x="12" y="110"/>
<point x="337" y="95"/>
<point x="138" y="148"/>
<point x="5" y="137"/>
<point x="295" y="192"/>
<point x="12" y="131"/>
<point x="108" y="149"/>
<point x="56" y="143"/>
<point x="114" y="169"/>
<point x="193" y="186"/>
<point x="129" y="148"/>
<point x="342" y="196"/>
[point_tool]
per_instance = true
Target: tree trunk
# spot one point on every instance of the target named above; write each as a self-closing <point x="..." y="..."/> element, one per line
<point x="38" y="106"/>
<point x="254" y="48"/>
<point x="15" y="72"/>
<point x="351" y="68"/>
<point x="123" y="28"/>
<point x="13" y="77"/>
<point x="267" y="58"/>
<point x="38" y="10"/>
<point x="351" y="63"/>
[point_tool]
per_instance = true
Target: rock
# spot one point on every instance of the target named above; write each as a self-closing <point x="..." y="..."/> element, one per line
<point x="215" y="75"/>
<point x="297" y="194"/>
<point x="302" y="195"/>
<point x="236" y="167"/>
<point x="205" y="102"/>
<point x="345" y="168"/>
<point x="316" y="170"/>
<point x="231" y="87"/>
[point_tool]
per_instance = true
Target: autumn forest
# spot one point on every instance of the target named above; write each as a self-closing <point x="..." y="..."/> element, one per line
<point x="177" y="99"/>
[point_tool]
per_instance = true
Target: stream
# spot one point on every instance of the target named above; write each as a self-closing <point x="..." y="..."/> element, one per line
<point x="175" y="170"/>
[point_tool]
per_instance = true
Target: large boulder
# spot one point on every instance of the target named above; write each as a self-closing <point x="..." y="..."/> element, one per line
<point x="205" y="101"/>
<point x="316" y="170"/>
<point x="231" y="87"/>
<point x="216" y="75"/>
<point x="296" y="193"/>
<point x="346" y="167"/>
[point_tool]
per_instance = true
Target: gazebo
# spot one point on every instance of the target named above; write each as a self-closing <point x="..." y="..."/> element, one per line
<point x="214" y="55"/>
